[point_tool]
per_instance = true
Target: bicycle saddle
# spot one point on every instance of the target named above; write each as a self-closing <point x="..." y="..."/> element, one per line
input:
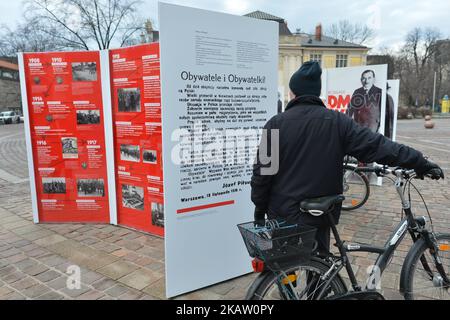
<point x="318" y="206"/>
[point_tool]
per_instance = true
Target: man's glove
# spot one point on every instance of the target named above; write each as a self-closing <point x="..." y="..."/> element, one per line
<point x="431" y="169"/>
<point x="260" y="217"/>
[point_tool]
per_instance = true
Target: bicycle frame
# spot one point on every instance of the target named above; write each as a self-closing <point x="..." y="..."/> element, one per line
<point x="415" y="227"/>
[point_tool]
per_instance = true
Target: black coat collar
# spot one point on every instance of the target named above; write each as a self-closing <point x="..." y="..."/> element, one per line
<point x="310" y="100"/>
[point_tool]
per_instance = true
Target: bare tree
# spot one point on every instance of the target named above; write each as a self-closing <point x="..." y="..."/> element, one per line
<point x="420" y="45"/>
<point x="85" y="24"/>
<point x="346" y="31"/>
<point x="416" y="64"/>
<point x="25" y="38"/>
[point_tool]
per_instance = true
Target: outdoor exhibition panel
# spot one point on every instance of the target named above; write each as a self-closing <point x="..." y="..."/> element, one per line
<point x="64" y="124"/>
<point x="136" y="113"/>
<point x="360" y="92"/>
<point x="219" y="88"/>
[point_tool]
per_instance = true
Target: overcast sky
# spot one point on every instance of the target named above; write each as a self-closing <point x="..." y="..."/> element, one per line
<point x="391" y="19"/>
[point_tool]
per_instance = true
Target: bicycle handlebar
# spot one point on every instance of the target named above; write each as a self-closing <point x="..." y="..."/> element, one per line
<point x="381" y="171"/>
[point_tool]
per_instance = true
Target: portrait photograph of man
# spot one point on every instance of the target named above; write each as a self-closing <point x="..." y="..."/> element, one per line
<point x="365" y="103"/>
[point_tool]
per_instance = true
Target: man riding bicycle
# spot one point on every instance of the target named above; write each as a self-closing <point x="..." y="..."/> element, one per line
<point x="313" y="141"/>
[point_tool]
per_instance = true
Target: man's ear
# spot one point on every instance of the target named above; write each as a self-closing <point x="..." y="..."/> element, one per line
<point x="291" y="95"/>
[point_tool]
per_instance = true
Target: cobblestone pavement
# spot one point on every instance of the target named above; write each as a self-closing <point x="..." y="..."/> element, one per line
<point x="119" y="263"/>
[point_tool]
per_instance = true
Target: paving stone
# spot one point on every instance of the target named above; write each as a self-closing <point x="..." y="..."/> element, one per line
<point x="4" y="291"/>
<point x="82" y="255"/>
<point x="35" y="291"/>
<point x="24" y="284"/>
<point x="103" y="284"/>
<point x="16" y="224"/>
<point x="38" y="253"/>
<point x="49" y="240"/>
<point x="7" y="270"/>
<point x="16" y="258"/>
<point x="48" y="276"/>
<point x="37" y="234"/>
<point x="14" y="296"/>
<point x="222" y="288"/>
<point x="74" y="293"/>
<point x="131" y="295"/>
<point x="35" y="270"/>
<point x="148" y="297"/>
<point x="107" y="298"/>
<point x="14" y="276"/>
<point x="91" y="295"/>
<point x="52" y="295"/>
<point x="117" y="269"/>
<point x="29" y="248"/>
<point x="27" y="229"/>
<point x="52" y="260"/>
<point x="238" y="293"/>
<point x="89" y="277"/>
<point x="157" y="289"/>
<point x="140" y="278"/>
<point x="116" y="291"/>
<point x="155" y="266"/>
<point x="9" y="253"/>
<point x="199" y="295"/>
<point x="58" y="283"/>
<point x="21" y="243"/>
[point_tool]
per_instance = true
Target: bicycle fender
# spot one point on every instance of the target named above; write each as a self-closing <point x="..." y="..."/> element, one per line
<point x="255" y="285"/>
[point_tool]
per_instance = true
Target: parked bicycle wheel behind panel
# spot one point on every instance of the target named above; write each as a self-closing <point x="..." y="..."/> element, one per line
<point x="356" y="188"/>
<point x="423" y="285"/>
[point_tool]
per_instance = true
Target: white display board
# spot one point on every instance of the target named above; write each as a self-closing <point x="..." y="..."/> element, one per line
<point x="218" y="75"/>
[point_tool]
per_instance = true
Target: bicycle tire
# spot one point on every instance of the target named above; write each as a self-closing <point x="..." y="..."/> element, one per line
<point x="366" y="184"/>
<point x="270" y="280"/>
<point x="412" y="262"/>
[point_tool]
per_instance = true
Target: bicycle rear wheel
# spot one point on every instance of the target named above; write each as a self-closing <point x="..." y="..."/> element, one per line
<point x="306" y="286"/>
<point x="420" y="284"/>
<point x="356" y="188"/>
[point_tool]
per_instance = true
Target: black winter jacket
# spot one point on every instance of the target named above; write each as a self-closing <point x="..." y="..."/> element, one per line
<point x="313" y="142"/>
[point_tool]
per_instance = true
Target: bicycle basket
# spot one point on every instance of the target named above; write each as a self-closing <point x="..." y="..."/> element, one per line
<point x="278" y="244"/>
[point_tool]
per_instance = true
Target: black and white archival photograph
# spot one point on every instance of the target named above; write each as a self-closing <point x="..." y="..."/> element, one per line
<point x="129" y="152"/>
<point x="91" y="187"/>
<point x="149" y="156"/>
<point x="129" y="99"/>
<point x="132" y="197"/>
<point x="69" y="148"/>
<point x="54" y="185"/>
<point x="88" y="117"/>
<point x="157" y="214"/>
<point x="84" y="71"/>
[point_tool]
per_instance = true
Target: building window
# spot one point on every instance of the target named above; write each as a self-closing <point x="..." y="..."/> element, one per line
<point x="316" y="57"/>
<point x="9" y="75"/>
<point x="341" y="60"/>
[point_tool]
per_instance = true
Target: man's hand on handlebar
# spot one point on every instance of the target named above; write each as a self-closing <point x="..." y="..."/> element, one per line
<point x="431" y="170"/>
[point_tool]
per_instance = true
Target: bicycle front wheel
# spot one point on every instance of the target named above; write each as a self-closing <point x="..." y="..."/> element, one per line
<point x="305" y="284"/>
<point x="422" y="280"/>
<point x="356" y="189"/>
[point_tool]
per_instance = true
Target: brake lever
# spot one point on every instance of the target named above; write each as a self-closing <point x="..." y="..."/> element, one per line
<point x="381" y="172"/>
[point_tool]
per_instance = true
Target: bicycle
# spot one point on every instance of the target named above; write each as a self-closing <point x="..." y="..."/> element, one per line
<point x="316" y="276"/>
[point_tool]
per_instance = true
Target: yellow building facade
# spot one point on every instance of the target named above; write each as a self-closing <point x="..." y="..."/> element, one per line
<point x="297" y="48"/>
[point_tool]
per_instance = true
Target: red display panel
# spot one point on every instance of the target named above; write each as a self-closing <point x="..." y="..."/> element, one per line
<point x="67" y="136"/>
<point x="136" y="103"/>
